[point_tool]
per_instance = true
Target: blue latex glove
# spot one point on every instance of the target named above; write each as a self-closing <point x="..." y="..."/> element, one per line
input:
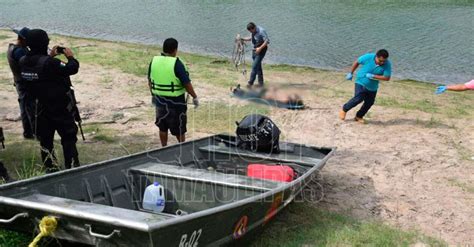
<point x="441" y="89"/>
<point x="369" y="75"/>
<point x="349" y="76"/>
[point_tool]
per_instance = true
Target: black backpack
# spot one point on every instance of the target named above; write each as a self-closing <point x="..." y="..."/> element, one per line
<point x="258" y="133"/>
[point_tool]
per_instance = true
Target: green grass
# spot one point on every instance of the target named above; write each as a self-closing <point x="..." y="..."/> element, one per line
<point x="419" y="96"/>
<point x="22" y="158"/>
<point x="13" y="239"/>
<point x="302" y="224"/>
<point x="423" y="105"/>
<point x="3" y="59"/>
<point x="291" y="68"/>
<point x="462" y="185"/>
<point x="6" y="84"/>
<point x="2" y="37"/>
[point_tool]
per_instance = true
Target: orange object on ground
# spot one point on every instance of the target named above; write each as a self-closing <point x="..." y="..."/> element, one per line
<point x="271" y="172"/>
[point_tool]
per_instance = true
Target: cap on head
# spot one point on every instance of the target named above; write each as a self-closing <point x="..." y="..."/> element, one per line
<point x="37" y="39"/>
<point x="21" y="32"/>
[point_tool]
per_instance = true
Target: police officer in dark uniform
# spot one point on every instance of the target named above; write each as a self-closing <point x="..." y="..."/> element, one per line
<point x="48" y="84"/>
<point x="14" y="53"/>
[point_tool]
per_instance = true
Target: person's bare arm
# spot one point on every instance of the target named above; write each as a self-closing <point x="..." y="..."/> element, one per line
<point x="246" y="38"/>
<point x="259" y="49"/>
<point x="189" y="88"/>
<point x="149" y="78"/>
<point x="457" y="87"/>
<point x="354" y="66"/>
<point x="382" y="78"/>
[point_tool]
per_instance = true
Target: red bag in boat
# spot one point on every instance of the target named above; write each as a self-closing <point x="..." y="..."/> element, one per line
<point x="271" y="172"/>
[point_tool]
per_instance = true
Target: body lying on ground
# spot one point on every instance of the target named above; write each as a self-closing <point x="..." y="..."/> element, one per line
<point x="271" y="94"/>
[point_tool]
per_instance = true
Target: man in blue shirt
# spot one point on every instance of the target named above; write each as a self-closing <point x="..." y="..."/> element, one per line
<point x="260" y="43"/>
<point x="14" y="53"/>
<point x="374" y="67"/>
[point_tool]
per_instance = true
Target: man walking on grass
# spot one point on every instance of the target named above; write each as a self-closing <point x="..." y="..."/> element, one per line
<point x="374" y="67"/>
<point x="260" y="43"/>
<point x="168" y="80"/>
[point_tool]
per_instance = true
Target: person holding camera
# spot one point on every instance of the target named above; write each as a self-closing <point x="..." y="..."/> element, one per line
<point x="168" y="79"/>
<point x="14" y="53"/>
<point x="48" y="85"/>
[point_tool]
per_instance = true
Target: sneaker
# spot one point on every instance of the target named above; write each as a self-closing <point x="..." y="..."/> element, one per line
<point x="249" y="86"/>
<point x="342" y="115"/>
<point x="359" y="120"/>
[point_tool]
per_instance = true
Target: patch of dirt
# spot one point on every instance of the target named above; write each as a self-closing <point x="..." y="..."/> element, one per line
<point x="395" y="168"/>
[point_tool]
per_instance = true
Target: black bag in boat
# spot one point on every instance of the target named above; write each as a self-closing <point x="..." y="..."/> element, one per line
<point x="258" y="133"/>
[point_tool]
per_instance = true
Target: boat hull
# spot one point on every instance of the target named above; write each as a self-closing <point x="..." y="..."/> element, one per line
<point x="99" y="204"/>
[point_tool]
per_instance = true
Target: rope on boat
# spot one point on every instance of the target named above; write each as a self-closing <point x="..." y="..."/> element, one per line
<point x="47" y="226"/>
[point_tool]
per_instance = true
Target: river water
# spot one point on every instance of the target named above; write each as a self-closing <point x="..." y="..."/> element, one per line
<point x="428" y="40"/>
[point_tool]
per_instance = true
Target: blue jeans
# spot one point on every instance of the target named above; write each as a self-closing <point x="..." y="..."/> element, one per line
<point x="361" y="94"/>
<point x="257" y="67"/>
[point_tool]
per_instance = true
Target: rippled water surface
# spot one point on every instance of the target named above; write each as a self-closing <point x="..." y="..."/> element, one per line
<point x="428" y="40"/>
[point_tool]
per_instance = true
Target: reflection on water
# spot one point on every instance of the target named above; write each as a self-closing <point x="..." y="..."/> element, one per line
<point x="428" y="40"/>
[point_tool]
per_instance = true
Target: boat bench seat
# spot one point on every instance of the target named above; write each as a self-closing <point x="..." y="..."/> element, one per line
<point x="89" y="210"/>
<point x="205" y="176"/>
<point x="278" y="157"/>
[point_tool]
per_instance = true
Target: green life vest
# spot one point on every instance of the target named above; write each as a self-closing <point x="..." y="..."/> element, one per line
<point x="163" y="79"/>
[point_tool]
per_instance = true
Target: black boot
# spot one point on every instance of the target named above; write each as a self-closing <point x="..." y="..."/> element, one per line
<point x="4" y="174"/>
<point x="49" y="161"/>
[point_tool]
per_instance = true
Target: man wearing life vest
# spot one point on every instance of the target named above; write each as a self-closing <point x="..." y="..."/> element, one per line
<point x="169" y="80"/>
<point x="14" y="53"/>
<point x="47" y="83"/>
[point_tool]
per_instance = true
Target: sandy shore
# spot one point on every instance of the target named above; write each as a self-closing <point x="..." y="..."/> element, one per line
<point x="410" y="166"/>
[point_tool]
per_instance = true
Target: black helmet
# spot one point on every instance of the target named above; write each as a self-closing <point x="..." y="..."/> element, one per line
<point x="37" y="39"/>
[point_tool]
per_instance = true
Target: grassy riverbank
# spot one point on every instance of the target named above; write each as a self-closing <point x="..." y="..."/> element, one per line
<point x="114" y="99"/>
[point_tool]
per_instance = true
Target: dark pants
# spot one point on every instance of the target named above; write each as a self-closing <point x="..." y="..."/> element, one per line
<point x="47" y="123"/>
<point x="361" y="94"/>
<point x="257" y="67"/>
<point x="3" y="173"/>
<point x="27" y="128"/>
<point x="172" y="119"/>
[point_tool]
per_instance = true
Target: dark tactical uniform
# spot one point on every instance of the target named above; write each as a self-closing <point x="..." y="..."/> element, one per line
<point x="47" y="83"/>
<point x="3" y="172"/>
<point x="14" y="53"/>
